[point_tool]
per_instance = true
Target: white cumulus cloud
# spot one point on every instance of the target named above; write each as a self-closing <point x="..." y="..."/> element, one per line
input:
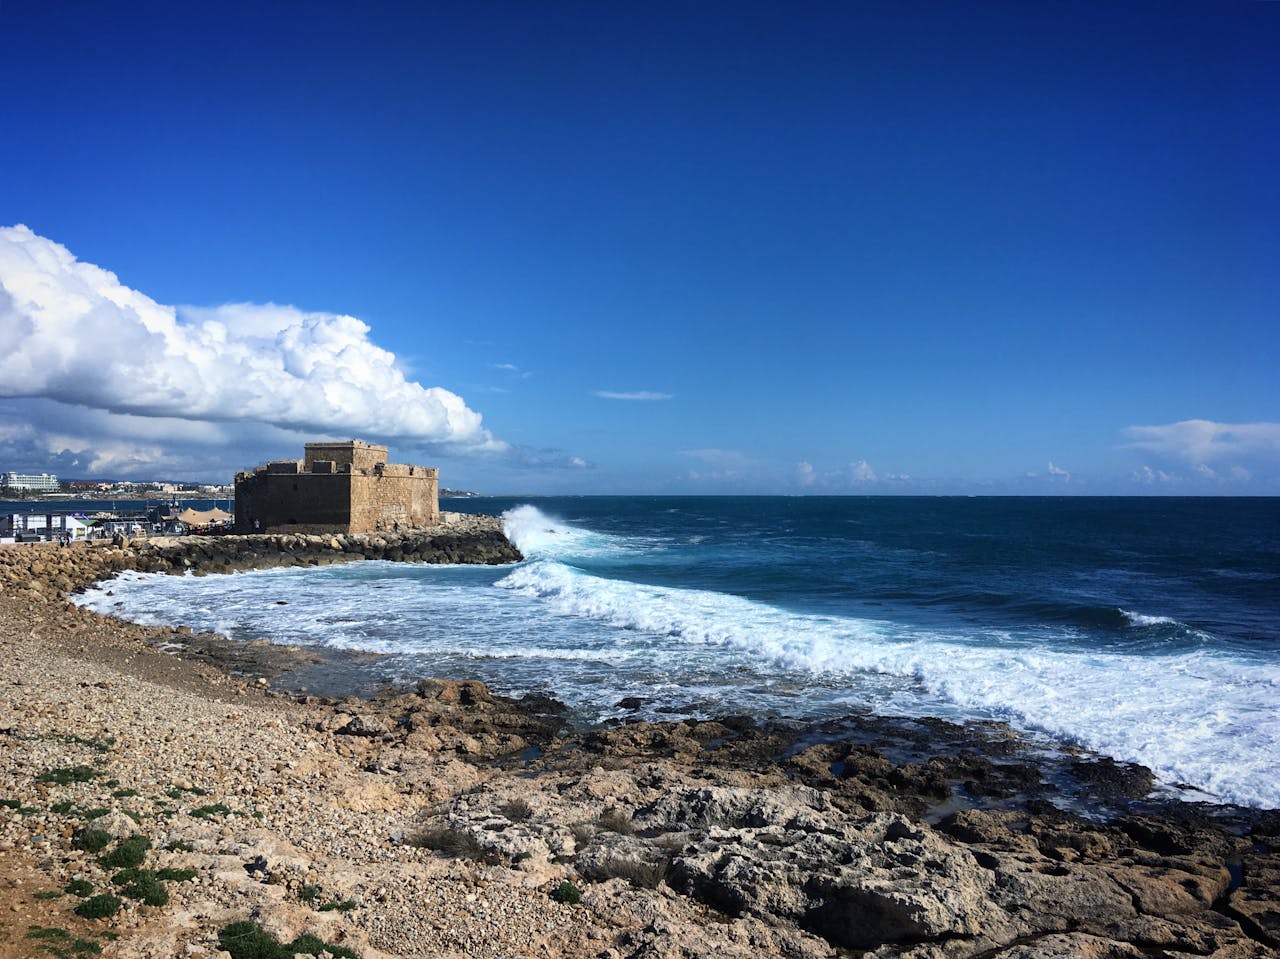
<point x="1199" y="441"/>
<point x="861" y="472"/>
<point x="72" y="333"/>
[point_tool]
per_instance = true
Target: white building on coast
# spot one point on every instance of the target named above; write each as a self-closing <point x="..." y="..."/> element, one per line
<point x="45" y="482"/>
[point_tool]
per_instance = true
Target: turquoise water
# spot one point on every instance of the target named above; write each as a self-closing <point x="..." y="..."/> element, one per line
<point x="1144" y="629"/>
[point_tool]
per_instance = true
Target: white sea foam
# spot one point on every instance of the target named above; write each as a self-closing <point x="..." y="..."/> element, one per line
<point x="1138" y="619"/>
<point x="537" y="534"/>
<point x="1204" y="717"/>
<point x="1209" y="720"/>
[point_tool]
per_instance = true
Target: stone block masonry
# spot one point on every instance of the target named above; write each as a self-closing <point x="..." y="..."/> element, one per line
<point x="337" y="487"/>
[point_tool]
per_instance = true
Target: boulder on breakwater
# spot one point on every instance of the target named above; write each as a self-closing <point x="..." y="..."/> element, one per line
<point x="44" y="570"/>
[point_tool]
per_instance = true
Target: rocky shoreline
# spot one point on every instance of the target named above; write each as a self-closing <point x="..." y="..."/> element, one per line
<point x="447" y="821"/>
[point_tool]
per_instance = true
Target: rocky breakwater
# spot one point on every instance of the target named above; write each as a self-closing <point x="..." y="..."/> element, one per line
<point x="42" y="570"/>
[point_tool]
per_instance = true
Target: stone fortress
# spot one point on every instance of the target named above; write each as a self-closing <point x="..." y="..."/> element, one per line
<point x="338" y="487"/>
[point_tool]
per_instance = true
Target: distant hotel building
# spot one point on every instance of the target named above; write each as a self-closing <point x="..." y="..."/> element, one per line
<point x="43" y="481"/>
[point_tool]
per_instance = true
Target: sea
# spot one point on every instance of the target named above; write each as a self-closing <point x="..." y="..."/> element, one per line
<point x="1143" y="629"/>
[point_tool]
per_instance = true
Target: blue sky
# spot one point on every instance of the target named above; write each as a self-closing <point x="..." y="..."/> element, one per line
<point x="649" y="248"/>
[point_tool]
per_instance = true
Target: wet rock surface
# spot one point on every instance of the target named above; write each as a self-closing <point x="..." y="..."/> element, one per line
<point x="444" y="819"/>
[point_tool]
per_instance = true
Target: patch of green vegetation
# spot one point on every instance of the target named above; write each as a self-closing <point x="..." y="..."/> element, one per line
<point x="258" y="814"/>
<point x="179" y="846"/>
<point x="124" y="793"/>
<point x="16" y="806"/>
<point x="65" y="775"/>
<point x="207" y="812"/>
<point x="51" y="894"/>
<point x="309" y="945"/>
<point x="146" y="886"/>
<point x="109" y="936"/>
<point x="98" y="907"/>
<point x="125" y="875"/>
<point x="63" y="807"/>
<point x="92" y="840"/>
<point x="75" y="949"/>
<point x="97" y="812"/>
<point x="567" y="892"/>
<point x="175" y="875"/>
<point x="247" y="940"/>
<point x="98" y="744"/>
<point x="177" y="791"/>
<point x="127" y="853"/>
<point x="47" y="932"/>
<point x="336" y="905"/>
<point x="309" y="893"/>
<point x="79" y="887"/>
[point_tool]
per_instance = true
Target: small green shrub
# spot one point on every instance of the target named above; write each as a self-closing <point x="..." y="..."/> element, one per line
<point x="65" y="775"/>
<point x="179" y="846"/>
<point x="207" y="812"/>
<point x="128" y="853"/>
<point x="309" y="893"/>
<point x="62" y="944"/>
<point x="177" y="791"/>
<point x="63" y="807"/>
<point x="47" y="932"/>
<point x="16" y="806"/>
<point x="97" y="743"/>
<point x="145" y="886"/>
<point x="98" y="907"/>
<point x="124" y="793"/>
<point x="567" y="892"/>
<point x="175" y="875"/>
<point x="92" y="840"/>
<point x="51" y="894"/>
<point x="97" y="812"/>
<point x="79" y="887"/>
<point x="247" y="940"/>
<point x="335" y="905"/>
<point x="309" y="945"/>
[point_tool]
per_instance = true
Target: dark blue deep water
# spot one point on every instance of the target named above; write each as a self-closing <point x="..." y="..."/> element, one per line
<point x="1145" y="629"/>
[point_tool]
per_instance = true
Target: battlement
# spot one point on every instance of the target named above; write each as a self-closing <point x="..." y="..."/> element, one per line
<point x="343" y="487"/>
<point x="353" y="454"/>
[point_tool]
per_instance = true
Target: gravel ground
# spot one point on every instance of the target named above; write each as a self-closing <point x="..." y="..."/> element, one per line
<point x="275" y="817"/>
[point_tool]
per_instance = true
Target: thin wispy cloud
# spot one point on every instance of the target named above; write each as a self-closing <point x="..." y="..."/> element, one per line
<point x="635" y="395"/>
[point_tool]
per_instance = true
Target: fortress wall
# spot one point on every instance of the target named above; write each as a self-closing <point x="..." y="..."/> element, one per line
<point x="276" y="500"/>
<point x="347" y="487"/>
<point x="407" y="496"/>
